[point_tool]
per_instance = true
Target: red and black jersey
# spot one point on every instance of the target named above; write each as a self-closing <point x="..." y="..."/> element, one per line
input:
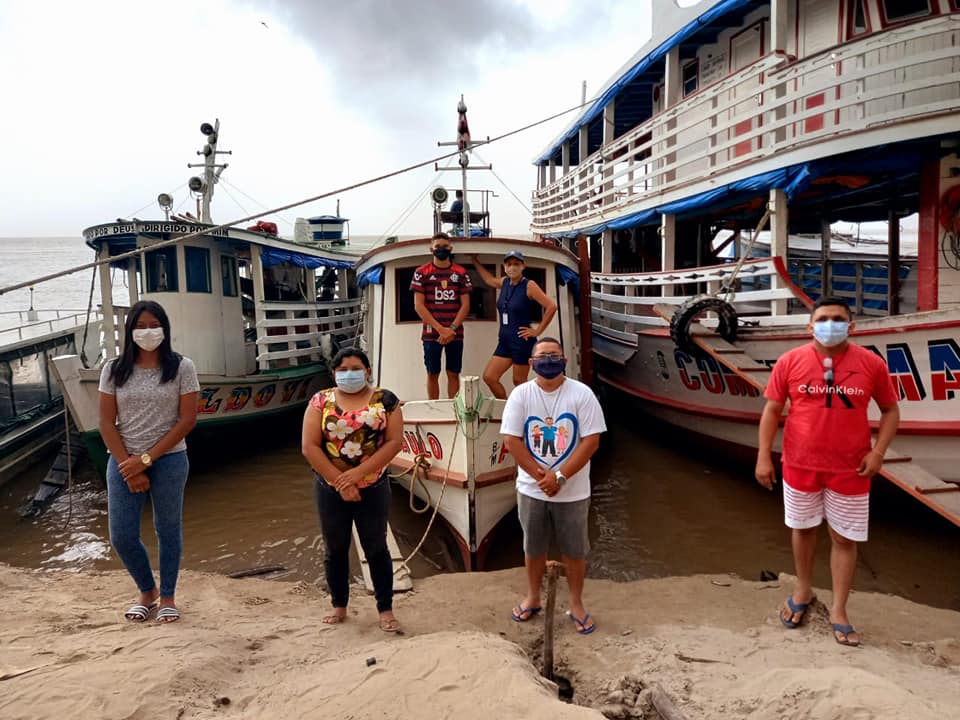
<point x="442" y="289"/>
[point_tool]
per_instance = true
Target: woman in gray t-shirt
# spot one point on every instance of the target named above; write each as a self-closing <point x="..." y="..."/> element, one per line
<point x="148" y="404"/>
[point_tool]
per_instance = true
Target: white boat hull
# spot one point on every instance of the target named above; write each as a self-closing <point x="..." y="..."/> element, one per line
<point x="703" y="396"/>
<point x="463" y="467"/>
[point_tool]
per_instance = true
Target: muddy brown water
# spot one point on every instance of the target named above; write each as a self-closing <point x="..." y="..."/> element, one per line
<point x="663" y="504"/>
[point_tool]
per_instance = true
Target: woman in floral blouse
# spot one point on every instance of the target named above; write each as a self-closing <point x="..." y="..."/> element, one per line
<point x="350" y="434"/>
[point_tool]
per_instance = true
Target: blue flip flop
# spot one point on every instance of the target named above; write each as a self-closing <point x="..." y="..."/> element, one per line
<point x="844" y="630"/>
<point x="794" y="609"/>
<point x="529" y="612"/>
<point x="583" y="629"/>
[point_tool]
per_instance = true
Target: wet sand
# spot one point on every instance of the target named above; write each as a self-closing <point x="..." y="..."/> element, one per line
<point x="255" y="648"/>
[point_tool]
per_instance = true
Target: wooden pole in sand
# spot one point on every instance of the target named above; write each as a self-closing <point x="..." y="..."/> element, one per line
<point x="664" y="705"/>
<point x="553" y="570"/>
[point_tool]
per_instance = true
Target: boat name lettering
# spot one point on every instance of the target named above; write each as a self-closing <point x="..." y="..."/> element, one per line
<point x="944" y="368"/>
<point x="150" y="227"/>
<point x="206" y="405"/>
<point x="413" y="444"/>
<point x="265" y="395"/>
<point x="238" y="398"/>
<point x="498" y="452"/>
<point x="706" y="373"/>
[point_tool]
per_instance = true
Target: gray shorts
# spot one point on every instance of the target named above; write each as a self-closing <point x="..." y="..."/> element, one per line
<point x="566" y="522"/>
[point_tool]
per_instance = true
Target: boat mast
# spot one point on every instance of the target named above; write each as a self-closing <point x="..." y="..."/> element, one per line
<point x="464" y="145"/>
<point x="211" y="169"/>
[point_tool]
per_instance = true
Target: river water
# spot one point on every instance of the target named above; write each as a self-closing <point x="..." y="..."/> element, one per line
<point x="663" y="504"/>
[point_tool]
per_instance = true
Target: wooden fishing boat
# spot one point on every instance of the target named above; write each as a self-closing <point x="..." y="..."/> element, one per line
<point x="453" y="456"/>
<point x="797" y="112"/>
<point x="243" y="305"/>
<point x="453" y="453"/>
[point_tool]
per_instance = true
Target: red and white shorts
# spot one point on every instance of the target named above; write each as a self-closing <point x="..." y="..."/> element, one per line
<point x="843" y="498"/>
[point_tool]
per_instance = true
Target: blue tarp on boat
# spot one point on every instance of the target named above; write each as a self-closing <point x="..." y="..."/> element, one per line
<point x="370" y="276"/>
<point x="271" y="256"/>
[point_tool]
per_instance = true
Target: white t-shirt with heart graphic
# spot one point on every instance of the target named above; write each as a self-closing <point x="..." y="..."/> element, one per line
<point x="551" y="424"/>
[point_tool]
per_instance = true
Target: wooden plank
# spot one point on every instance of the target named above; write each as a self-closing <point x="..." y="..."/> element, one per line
<point x="402" y="581"/>
<point x="926" y="487"/>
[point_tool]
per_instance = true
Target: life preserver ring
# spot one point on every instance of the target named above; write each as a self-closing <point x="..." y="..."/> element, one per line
<point x="950" y="209"/>
<point x="690" y="309"/>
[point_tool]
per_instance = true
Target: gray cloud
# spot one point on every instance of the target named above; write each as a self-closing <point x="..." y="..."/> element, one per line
<point x="373" y="45"/>
<point x="399" y="56"/>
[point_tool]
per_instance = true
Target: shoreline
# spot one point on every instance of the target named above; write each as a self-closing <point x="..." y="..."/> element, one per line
<point x="713" y="643"/>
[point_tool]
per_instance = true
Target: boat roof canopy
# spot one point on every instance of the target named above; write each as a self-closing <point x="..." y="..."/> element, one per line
<point x="632" y="86"/>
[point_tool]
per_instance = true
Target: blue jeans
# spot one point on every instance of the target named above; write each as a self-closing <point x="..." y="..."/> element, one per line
<point x="337" y="517"/>
<point x="168" y="477"/>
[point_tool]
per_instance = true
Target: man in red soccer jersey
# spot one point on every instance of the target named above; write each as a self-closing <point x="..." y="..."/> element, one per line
<point x="828" y="459"/>
<point x="441" y="297"/>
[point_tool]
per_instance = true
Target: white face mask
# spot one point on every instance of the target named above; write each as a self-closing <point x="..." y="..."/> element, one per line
<point x="513" y="271"/>
<point x="148" y="338"/>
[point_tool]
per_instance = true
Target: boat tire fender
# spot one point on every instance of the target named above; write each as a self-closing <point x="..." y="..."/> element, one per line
<point x="687" y="312"/>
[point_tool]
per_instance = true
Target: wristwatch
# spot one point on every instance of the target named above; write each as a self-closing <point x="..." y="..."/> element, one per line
<point x="561" y="479"/>
<point x="146" y="460"/>
<point x="454" y="326"/>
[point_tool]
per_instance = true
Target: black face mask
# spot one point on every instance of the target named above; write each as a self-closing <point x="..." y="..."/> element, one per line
<point x="442" y="253"/>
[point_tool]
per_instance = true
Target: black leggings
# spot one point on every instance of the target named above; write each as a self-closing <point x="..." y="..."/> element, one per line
<point x="337" y="517"/>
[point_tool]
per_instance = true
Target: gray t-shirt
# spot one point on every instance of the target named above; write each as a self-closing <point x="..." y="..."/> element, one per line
<point x="146" y="408"/>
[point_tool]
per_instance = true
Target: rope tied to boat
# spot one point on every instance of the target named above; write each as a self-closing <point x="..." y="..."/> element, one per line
<point x="424" y="467"/>
<point x="467" y="416"/>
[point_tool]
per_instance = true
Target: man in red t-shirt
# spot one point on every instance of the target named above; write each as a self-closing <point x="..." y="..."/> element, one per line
<point x="828" y="459"/>
<point x="441" y="297"/>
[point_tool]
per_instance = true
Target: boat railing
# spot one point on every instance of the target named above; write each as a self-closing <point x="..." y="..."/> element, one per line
<point x="289" y="333"/>
<point x="771" y="107"/>
<point x="623" y="303"/>
<point x="865" y="284"/>
<point x="45" y="322"/>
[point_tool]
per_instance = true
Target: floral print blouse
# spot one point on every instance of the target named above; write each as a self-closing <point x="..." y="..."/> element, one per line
<point x="350" y="437"/>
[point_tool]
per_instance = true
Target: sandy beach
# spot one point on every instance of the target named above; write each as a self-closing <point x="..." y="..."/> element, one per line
<point x="255" y="648"/>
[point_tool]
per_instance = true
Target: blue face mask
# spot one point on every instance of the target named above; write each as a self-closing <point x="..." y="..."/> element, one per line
<point x="549" y="367"/>
<point x="351" y="381"/>
<point x="831" y="332"/>
<point x="442" y="253"/>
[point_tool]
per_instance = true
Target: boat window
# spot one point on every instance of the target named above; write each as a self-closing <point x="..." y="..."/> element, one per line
<point x="691" y="77"/>
<point x="483" y="300"/>
<point x="858" y="22"/>
<point x="539" y="276"/>
<point x="228" y="275"/>
<point x="162" y="270"/>
<point x="197" y="261"/>
<point x="897" y="10"/>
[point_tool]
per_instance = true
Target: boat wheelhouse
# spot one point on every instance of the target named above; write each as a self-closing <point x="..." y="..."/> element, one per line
<point x="796" y="113"/>
<point x="259" y="315"/>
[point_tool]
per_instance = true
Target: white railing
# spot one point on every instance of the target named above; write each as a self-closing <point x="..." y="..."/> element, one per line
<point x="768" y="108"/>
<point x="291" y="332"/>
<point x="47" y="322"/>
<point x="624" y="303"/>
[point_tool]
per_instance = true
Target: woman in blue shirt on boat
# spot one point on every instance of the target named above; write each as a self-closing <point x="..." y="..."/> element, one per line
<point x="515" y="308"/>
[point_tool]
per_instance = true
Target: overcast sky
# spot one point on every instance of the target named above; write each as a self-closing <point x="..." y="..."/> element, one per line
<point x="102" y="101"/>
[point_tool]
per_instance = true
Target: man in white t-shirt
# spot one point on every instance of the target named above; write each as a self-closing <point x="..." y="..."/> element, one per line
<point x="553" y="490"/>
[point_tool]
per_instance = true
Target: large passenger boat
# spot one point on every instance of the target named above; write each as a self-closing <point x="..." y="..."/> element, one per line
<point x="791" y="115"/>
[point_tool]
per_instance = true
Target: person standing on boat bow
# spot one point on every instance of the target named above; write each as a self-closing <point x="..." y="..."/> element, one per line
<point x="441" y="296"/>
<point x="350" y="434"/>
<point x="828" y="459"/>
<point x="148" y="404"/>
<point x="553" y="493"/>
<point x="515" y="306"/>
